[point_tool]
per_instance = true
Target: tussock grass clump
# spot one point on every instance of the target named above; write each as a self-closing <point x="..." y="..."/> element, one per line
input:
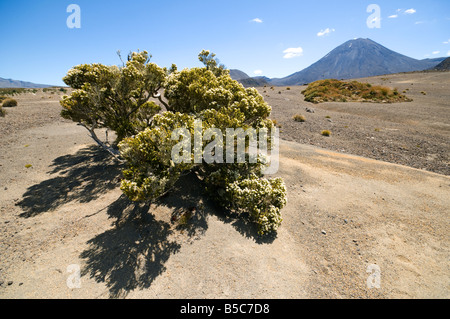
<point x="275" y="123"/>
<point x="2" y="112"/>
<point x="9" y="103"/>
<point x="339" y="91"/>
<point x="326" y="133"/>
<point x="299" y="118"/>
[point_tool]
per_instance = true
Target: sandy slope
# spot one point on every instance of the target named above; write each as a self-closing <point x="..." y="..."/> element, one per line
<point x="344" y="214"/>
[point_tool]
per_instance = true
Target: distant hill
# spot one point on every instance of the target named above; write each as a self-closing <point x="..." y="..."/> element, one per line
<point x="238" y="75"/>
<point x="255" y="81"/>
<point x="9" y="83"/>
<point x="356" y="59"/>
<point x="434" y="60"/>
<point x="248" y="81"/>
<point x="444" y="65"/>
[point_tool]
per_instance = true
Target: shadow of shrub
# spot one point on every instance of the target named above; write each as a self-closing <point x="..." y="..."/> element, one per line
<point x="82" y="177"/>
<point x="133" y="253"/>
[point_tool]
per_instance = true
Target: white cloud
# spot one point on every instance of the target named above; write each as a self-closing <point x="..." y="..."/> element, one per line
<point x="293" y="53"/>
<point x="419" y="22"/>
<point x="436" y="52"/>
<point x="258" y="72"/>
<point x="410" y="11"/>
<point x="446" y="42"/>
<point x="393" y="16"/>
<point x="448" y="53"/>
<point x="325" y="32"/>
<point x="257" y="20"/>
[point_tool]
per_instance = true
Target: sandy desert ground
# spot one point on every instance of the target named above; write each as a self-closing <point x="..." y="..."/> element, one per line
<point x="374" y="193"/>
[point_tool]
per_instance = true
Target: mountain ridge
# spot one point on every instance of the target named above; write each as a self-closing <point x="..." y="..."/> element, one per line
<point x="357" y="58"/>
<point x="443" y="66"/>
<point x="16" y="84"/>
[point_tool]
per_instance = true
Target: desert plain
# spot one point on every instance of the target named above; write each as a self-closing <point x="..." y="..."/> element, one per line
<point x="373" y="195"/>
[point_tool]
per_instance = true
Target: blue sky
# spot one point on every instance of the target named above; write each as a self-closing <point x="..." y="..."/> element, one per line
<point x="259" y="37"/>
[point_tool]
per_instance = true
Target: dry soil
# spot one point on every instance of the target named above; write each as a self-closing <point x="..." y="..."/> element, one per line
<point x="352" y="209"/>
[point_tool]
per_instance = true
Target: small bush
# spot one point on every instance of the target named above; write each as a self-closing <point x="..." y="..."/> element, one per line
<point x="9" y="103"/>
<point x="275" y="123"/>
<point x="246" y="196"/>
<point x="326" y="133"/>
<point x="2" y="112"/>
<point x="338" y="91"/>
<point x="12" y="92"/>
<point x="299" y="118"/>
<point x="288" y="88"/>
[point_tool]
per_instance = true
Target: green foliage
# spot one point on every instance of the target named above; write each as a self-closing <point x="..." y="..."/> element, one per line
<point x="240" y="187"/>
<point x="211" y="62"/>
<point x="9" y="103"/>
<point x="119" y="98"/>
<point x="261" y="198"/>
<point x="340" y="91"/>
<point x="150" y="170"/>
<point x="113" y="97"/>
<point x="200" y="89"/>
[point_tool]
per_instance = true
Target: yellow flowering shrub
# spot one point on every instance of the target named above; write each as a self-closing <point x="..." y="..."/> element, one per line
<point x="205" y="111"/>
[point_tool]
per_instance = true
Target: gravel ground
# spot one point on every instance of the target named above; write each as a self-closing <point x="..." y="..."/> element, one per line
<point x="345" y="215"/>
<point x="410" y="133"/>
